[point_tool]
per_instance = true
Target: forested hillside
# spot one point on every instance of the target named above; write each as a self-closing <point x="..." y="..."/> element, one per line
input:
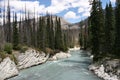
<point x="45" y="33"/>
<point x="102" y="34"/>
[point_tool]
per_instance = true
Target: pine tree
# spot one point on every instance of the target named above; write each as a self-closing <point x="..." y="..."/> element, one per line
<point x="48" y="26"/>
<point x="96" y="29"/>
<point x="65" y="43"/>
<point x="33" y="32"/>
<point x="52" y="35"/>
<point x="15" y="34"/>
<point x="42" y="34"/>
<point x="8" y="29"/>
<point x="109" y="29"/>
<point x="25" y="28"/>
<point x="20" y="30"/>
<point x="117" y="29"/>
<point x="1" y="30"/>
<point x="81" y="37"/>
<point x="58" y="36"/>
<point x="101" y="32"/>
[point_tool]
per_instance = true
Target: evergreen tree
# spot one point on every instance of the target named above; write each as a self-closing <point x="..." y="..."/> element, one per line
<point x="33" y="32"/>
<point x="58" y="36"/>
<point x="81" y="37"/>
<point x="65" y="43"/>
<point x="117" y="29"/>
<point x="101" y="31"/>
<point x="1" y="30"/>
<point x="8" y="29"/>
<point x="20" y="30"/>
<point x="15" y="34"/>
<point x="109" y="29"/>
<point x="96" y="29"/>
<point x="41" y="34"/>
<point x="48" y="26"/>
<point x="52" y="35"/>
<point x="25" y="28"/>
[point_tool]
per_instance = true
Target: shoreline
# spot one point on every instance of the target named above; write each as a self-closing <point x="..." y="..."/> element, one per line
<point x="108" y="70"/>
<point x="25" y="63"/>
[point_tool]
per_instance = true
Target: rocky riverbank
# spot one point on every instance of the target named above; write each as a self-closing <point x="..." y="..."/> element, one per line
<point x="30" y="58"/>
<point x="107" y="70"/>
<point x="7" y="69"/>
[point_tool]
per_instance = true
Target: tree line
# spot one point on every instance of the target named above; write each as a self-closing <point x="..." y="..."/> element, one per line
<point x="42" y="32"/>
<point x="103" y="31"/>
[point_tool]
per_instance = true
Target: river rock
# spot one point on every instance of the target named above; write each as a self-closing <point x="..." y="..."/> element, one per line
<point x="7" y="69"/>
<point x="109" y="70"/>
<point x="75" y="48"/>
<point x="30" y="58"/>
<point x="60" y="55"/>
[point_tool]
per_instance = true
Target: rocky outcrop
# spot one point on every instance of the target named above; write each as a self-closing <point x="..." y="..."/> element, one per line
<point x="108" y="70"/>
<point x="60" y="55"/>
<point x="7" y="69"/>
<point x="31" y="58"/>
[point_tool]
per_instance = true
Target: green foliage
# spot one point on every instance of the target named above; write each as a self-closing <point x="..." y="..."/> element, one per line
<point x="13" y="58"/>
<point x="117" y="31"/>
<point x="8" y="48"/>
<point x="15" y="34"/>
<point x="3" y="54"/>
<point x="41" y="34"/>
<point x="23" y="49"/>
<point x="97" y="30"/>
<point x="52" y="35"/>
<point x="59" y="39"/>
<point x="81" y="38"/>
<point x="49" y="51"/>
<point x="109" y="29"/>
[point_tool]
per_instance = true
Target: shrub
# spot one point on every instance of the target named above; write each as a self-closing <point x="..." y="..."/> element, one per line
<point x="18" y="47"/>
<point x="13" y="58"/>
<point x="8" y="48"/>
<point x="3" y="54"/>
<point x="56" y="51"/>
<point x="23" y="49"/>
<point x="50" y="51"/>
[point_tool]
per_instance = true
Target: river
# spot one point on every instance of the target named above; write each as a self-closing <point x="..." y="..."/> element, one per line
<point x="73" y="68"/>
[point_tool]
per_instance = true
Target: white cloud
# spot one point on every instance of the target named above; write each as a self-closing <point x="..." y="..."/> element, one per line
<point x="113" y="1"/>
<point x="18" y="5"/>
<point x="85" y="14"/>
<point x="56" y="6"/>
<point x="80" y="10"/>
<point x="71" y="15"/>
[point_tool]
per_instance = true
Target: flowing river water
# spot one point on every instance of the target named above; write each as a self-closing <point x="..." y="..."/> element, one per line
<point x="73" y="68"/>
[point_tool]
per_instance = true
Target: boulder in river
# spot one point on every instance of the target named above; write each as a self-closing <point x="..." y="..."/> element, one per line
<point x="60" y="55"/>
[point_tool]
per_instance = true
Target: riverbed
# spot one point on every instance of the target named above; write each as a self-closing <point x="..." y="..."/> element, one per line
<point x="72" y="68"/>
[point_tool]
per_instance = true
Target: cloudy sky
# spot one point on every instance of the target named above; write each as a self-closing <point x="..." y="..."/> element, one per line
<point x="72" y="10"/>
